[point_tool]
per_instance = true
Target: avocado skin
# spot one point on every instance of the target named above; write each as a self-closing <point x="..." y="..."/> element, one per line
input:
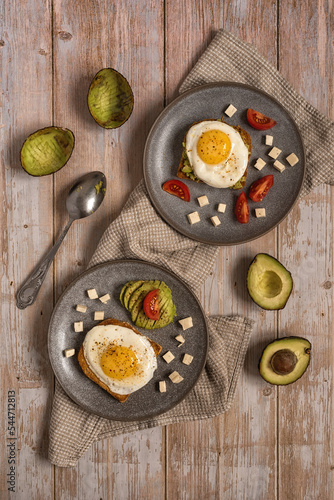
<point x="301" y="348"/>
<point x="132" y="296"/>
<point x="277" y="302"/>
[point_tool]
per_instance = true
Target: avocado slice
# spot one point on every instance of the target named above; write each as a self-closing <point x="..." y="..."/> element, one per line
<point x="136" y="303"/>
<point x="128" y="290"/>
<point x="167" y="311"/>
<point x="110" y="98"/>
<point x="269" y="283"/>
<point x="47" y="150"/>
<point x="285" y="360"/>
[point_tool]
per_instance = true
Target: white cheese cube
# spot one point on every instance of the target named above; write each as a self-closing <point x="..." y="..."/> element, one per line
<point x="78" y="326"/>
<point x="279" y="166"/>
<point x="105" y="298"/>
<point x="221" y="208"/>
<point x="203" y="200"/>
<point x="162" y="386"/>
<point x="180" y="339"/>
<point x="260" y="212"/>
<point x="186" y="323"/>
<point x="81" y="309"/>
<point x="193" y="218"/>
<point x="230" y="110"/>
<point x="69" y="353"/>
<point x="168" y="357"/>
<point x="259" y="164"/>
<point x="175" y="377"/>
<point x="215" y="220"/>
<point x="92" y="293"/>
<point x="187" y="359"/>
<point x="274" y="152"/>
<point x="269" y="140"/>
<point x="99" y="315"/>
<point x="292" y="159"/>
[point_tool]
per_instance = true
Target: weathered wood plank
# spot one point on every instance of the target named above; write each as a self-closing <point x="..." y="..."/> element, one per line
<point x="26" y="223"/>
<point x="127" y="36"/>
<point x="232" y="456"/>
<point x="306" y="243"/>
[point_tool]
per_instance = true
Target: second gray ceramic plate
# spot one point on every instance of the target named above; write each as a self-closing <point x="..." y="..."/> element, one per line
<point x="110" y="278"/>
<point x="164" y="148"/>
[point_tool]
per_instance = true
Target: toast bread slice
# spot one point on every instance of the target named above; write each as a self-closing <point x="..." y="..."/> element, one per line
<point x="88" y="372"/>
<point x="248" y="143"/>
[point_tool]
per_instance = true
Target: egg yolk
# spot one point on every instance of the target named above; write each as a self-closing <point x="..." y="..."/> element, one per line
<point x="119" y="362"/>
<point x="213" y="147"/>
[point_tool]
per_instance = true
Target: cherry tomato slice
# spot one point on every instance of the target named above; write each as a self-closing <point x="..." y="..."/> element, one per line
<point x="177" y="188"/>
<point x="259" y="121"/>
<point x="242" y="209"/>
<point x="151" y="304"/>
<point x="260" y="188"/>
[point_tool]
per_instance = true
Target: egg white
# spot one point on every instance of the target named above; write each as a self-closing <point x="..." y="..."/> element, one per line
<point x="99" y="338"/>
<point x="229" y="171"/>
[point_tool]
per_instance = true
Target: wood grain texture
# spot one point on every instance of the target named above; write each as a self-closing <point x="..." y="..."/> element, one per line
<point x="273" y="443"/>
<point x="26" y="234"/>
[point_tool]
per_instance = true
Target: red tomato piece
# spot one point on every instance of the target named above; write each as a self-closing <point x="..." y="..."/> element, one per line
<point x="242" y="209"/>
<point x="259" y="121"/>
<point x="260" y="188"/>
<point x="151" y="304"/>
<point x="177" y="188"/>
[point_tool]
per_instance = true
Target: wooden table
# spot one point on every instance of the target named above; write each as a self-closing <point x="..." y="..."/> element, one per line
<point x="274" y="443"/>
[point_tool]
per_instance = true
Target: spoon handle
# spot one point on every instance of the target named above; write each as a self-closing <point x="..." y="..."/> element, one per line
<point x="30" y="288"/>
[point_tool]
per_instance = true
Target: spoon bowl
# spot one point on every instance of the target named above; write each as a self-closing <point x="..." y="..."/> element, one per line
<point x="83" y="199"/>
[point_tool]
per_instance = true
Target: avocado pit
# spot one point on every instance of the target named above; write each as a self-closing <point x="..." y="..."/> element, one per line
<point x="283" y="361"/>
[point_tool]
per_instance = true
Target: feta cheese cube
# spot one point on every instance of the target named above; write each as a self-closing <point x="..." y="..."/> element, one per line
<point x="180" y="339"/>
<point x="203" y="200"/>
<point x="162" y="386"/>
<point x="269" y="140"/>
<point x="193" y="218"/>
<point x="168" y="357"/>
<point x="187" y="359"/>
<point x="230" y="110"/>
<point x="292" y="159"/>
<point x="69" y="353"/>
<point x="215" y="220"/>
<point x="99" y="315"/>
<point x="259" y="164"/>
<point x="274" y="152"/>
<point x="260" y="212"/>
<point x="92" y="293"/>
<point x="81" y="309"/>
<point x="279" y="166"/>
<point x="78" y="326"/>
<point x="105" y="298"/>
<point x="175" y="377"/>
<point x="221" y="208"/>
<point x="186" y="323"/>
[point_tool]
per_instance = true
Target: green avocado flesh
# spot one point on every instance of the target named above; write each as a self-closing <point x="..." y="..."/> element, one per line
<point x="285" y="360"/>
<point x="268" y="282"/>
<point x="132" y="296"/>
<point x="47" y="150"/>
<point x="110" y="98"/>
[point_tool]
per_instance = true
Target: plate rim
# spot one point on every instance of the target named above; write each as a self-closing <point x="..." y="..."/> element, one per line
<point x="166" y="110"/>
<point x="56" y="371"/>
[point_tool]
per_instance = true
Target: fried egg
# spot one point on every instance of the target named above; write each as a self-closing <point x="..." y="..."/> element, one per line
<point x="119" y="357"/>
<point x="217" y="153"/>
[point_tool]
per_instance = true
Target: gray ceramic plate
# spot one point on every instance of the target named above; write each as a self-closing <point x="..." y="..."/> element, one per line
<point x="148" y="401"/>
<point x="163" y="152"/>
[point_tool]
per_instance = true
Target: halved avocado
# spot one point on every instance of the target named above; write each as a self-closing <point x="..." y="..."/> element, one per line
<point x="47" y="150"/>
<point x="269" y="283"/>
<point x="285" y="360"/>
<point x="110" y="98"/>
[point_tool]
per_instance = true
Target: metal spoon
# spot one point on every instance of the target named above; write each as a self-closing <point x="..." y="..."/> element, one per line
<point x="83" y="199"/>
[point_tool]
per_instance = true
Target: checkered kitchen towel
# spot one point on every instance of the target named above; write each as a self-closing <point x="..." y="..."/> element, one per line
<point x="140" y="233"/>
